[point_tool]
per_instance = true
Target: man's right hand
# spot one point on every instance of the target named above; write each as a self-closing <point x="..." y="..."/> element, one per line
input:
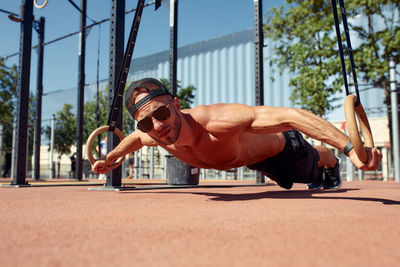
<point x="374" y="159"/>
<point x="101" y="166"/>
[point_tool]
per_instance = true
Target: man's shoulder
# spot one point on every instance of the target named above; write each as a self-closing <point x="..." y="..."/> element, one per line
<point x="221" y="118"/>
<point x="225" y="108"/>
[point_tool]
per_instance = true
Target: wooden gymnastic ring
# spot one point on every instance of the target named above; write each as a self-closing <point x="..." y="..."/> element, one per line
<point x="358" y="146"/>
<point x="40" y="6"/>
<point x="91" y="139"/>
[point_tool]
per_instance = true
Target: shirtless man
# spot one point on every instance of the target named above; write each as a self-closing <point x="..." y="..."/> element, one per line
<point x="225" y="136"/>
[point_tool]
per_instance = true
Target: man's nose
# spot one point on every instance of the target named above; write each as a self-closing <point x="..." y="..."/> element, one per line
<point x="157" y="125"/>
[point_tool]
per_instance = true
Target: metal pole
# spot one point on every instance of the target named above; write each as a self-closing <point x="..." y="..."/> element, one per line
<point x="39" y="93"/>
<point x="136" y="166"/>
<point x="141" y="163"/>
<point x="23" y="92"/>
<point x="1" y="148"/>
<point x="13" y="151"/>
<point x="81" y="93"/>
<point x="395" y="121"/>
<point x="117" y="29"/>
<point x="164" y="166"/>
<point x="349" y="170"/>
<point x="259" y="59"/>
<point x="53" y="120"/>
<point x="173" y="48"/>
<point x="151" y="174"/>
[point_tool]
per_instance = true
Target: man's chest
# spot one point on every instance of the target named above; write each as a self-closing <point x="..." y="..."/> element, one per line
<point x="209" y="151"/>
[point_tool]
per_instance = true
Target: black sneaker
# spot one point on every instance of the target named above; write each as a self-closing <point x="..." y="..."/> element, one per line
<point x="332" y="177"/>
<point x="317" y="184"/>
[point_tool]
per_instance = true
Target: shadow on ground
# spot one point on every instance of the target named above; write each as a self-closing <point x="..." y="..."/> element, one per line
<point x="294" y="194"/>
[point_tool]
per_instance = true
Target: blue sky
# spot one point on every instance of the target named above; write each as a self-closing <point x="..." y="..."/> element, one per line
<point x="198" y="20"/>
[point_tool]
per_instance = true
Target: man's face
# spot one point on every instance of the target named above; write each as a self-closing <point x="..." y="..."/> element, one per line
<point x="164" y="131"/>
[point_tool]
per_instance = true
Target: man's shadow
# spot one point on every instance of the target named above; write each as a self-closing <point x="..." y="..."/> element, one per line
<point x="290" y="194"/>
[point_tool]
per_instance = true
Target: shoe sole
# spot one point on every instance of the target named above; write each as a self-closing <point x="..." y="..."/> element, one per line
<point x="314" y="188"/>
<point x="335" y="187"/>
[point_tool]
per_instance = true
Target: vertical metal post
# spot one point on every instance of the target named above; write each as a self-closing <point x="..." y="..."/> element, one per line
<point x="81" y="93"/>
<point x="164" y="166"/>
<point x="136" y="166"/>
<point x="395" y="121"/>
<point x="259" y="69"/>
<point x="173" y="48"/>
<point x="151" y="174"/>
<point x="13" y="150"/>
<point x="349" y="170"/>
<point x="52" y="173"/>
<point x="141" y="164"/>
<point x="39" y="93"/>
<point x="385" y="164"/>
<point x="23" y="92"/>
<point x="1" y="148"/>
<point x="117" y="29"/>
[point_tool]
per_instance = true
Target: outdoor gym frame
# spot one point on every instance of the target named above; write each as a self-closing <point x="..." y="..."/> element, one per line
<point x="115" y="63"/>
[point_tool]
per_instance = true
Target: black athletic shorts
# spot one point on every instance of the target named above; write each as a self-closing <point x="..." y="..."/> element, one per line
<point x="296" y="163"/>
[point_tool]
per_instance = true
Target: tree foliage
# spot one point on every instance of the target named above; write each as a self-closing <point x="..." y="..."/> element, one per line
<point x="8" y="93"/>
<point x="90" y="114"/>
<point x="92" y="122"/>
<point x="184" y="95"/>
<point x="64" y="130"/>
<point x="305" y="43"/>
<point x="8" y="106"/>
<point x="380" y="40"/>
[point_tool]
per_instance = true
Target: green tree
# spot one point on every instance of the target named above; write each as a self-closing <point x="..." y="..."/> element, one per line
<point x="184" y="95"/>
<point x="8" y="102"/>
<point x="31" y="128"/>
<point x="305" y="43"/>
<point x="90" y="115"/>
<point x="8" y="93"/>
<point x="380" y="41"/>
<point x="64" y="130"/>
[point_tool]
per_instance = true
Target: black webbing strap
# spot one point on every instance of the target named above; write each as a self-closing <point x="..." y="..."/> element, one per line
<point x="123" y="74"/>
<point x="349" y="48"/>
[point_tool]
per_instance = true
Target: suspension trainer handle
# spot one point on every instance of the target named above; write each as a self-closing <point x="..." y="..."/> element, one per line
<point x="350" y="109"/>
<point x="349" y="49"/>
<point x="340" y="46"/>
<point x="93" y="136"/>
<point x="123" y="73"/>
<point x="40" y="6"/>
<point x="352" y="104"/>
<point x="118" y="95"/>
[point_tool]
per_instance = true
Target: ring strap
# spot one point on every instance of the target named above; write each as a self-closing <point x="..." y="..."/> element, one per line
<point x="123" y="73"/>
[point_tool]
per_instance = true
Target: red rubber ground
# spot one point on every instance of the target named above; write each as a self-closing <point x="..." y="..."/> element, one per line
<point x="358" y="225"/>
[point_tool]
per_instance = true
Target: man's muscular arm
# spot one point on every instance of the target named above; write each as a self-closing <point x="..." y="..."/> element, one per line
<point x="225" y="118"/>
<point x="129" y="144"/>
<point x="314" y="127"/>
<point x="228" y="118"/>
<point x="302" y="120"/>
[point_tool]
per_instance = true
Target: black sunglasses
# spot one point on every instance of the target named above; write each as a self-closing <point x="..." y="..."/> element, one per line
<point x="146" y="124"/>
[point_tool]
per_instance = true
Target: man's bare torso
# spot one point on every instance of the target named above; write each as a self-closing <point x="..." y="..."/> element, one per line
<point x="223" y="150"/>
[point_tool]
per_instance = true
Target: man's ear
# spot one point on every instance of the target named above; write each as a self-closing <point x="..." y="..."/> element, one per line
<point x="176" y="104"/>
